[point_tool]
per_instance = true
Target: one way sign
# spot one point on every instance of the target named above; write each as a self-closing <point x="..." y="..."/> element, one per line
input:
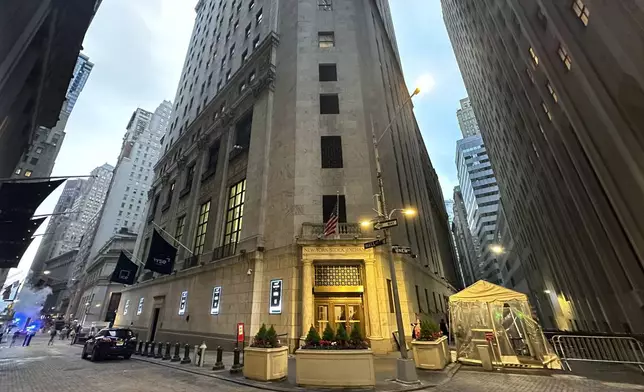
<point x="385" y="224"/>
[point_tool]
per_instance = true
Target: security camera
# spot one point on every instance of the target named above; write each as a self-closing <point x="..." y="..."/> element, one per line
<point x="249" y="272"/>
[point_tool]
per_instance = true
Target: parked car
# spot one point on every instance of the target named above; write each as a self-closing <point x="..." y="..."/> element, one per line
<point x="110" y="342"/>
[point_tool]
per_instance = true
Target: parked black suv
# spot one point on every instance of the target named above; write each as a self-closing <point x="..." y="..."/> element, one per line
<point x="110" y="342"/>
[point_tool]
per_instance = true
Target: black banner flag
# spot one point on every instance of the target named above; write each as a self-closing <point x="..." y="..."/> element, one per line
<point x="125" y="270"/>
<point x="161" y="256"/>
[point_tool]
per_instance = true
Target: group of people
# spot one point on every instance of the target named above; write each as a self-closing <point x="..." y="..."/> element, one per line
<point x="67" y="332"/>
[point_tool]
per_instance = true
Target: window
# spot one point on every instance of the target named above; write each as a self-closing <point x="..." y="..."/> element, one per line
<point x="170" y="194"/>
<point x="251" y="77"/>
<point x="546" y="111"/>
<point x="329" y="104"/>
<point x="328" y="73"/>
<point x="202" y="225"/>
<point x="154" y="205"/>
<point x="390" y="295"/>
<point x="582" y="12"/>
<point x="552" y="92"/>
<point x="420" y="309"/>
<point x="435" y="302"/>
<point x="33" y="161"/>
<point x="427" y="301"/>
<point x="242" y="87"/>
<point x="328" y="205"/>
<point x="331" y="151"/>
<point x="38" y="150"/>
<point x="256" y="42"/>
<point x="530" y="75"/>
<point x="326" y="40"/>
<point x="535" y="59"/>
<point x="228" y="75"/>
<point x="190" y="174"/>
<point x="259" y="17"/>
<point x="28" y="173"/>
<point x="565" y="58"/>
<point x="236" y="25"/>
<point x="325" y="5"/>
<point x="235" y="212"/>
<point x="232" y="51"/>
<point x="178" y="232"/>
<point x="247" y="31"/>
<point x="18" y="170"/>
<point x="251" y="5"/>
<point x="244" y="56"/>
<point x="213" y="155"/>
<point x="243" y="130"/>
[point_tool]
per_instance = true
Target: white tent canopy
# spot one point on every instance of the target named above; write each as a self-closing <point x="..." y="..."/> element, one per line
<point x="483" y="291"/>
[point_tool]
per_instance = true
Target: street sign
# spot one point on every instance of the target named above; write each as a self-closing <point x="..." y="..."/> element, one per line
<point x="276" y="297"/>
<point x="240" y="332"/>
<point x="403" y="250"/>
<point x="385" y="224"/>
<point x="373" y="244"/>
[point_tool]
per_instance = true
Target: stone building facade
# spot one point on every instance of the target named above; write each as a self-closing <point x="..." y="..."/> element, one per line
<point x="249" y="178"/>
<point x="557" y="87"/>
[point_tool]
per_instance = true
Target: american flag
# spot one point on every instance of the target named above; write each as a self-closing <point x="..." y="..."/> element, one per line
<point x="331" y="226"/>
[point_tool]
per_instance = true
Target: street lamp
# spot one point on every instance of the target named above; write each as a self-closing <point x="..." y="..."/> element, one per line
<point x="46" y="272"/>
<point x="405" y="368"/>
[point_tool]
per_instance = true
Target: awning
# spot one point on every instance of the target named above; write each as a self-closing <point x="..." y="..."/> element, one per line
<point x="483" y="291"/>
<point x="21" y="199"/>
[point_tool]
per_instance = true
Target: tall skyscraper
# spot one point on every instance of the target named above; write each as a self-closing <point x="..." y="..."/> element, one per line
<point x="559" y="86"/>
<point x="40" y="157"/>
<point x="466" y="119"/>
<point x="80" y="201"/>
<point x="468" y="254"/>
<point x="40" y="45"/>
<point x="270" y="137"/>
<point x="133" y="175"/>
<point x="481" y="197"/>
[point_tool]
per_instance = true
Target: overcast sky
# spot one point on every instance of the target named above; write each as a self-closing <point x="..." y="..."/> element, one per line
<point x="138" y="48"/>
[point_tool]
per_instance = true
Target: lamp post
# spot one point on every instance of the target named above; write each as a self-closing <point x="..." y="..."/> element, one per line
<point x="405" y="368"/>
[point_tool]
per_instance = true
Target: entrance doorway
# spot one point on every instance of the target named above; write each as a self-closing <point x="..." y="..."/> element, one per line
<point x="337" y="310"/>
<point x="155" y="320"/>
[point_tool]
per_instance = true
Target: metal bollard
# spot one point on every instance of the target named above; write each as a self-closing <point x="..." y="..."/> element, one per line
<point x="219" y="365"/>
<point x="177" y="353"/>
<point x="195" y="355"/>
<point x="202" y="354"/>
<point x="139" y="348"/>
<point x="237" y="367"/>
<point x="186" y="354"/>
<point x="152" y="347"/>
<point x="159" y="353"/>
<point x="166" y="356"/>
<point x="145" y="350"/>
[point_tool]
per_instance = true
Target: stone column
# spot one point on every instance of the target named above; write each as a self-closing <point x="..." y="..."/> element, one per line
<point x="378" y="343"/>
<point x="307" y="296"/>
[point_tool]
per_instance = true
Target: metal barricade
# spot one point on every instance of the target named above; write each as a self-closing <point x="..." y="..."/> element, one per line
<point x="607" y="349"/>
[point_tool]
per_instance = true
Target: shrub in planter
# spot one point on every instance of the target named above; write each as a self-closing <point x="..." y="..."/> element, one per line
<point x="430" y="349"/>
<point x="346" y="359"/>
<point x="265" y="359"/>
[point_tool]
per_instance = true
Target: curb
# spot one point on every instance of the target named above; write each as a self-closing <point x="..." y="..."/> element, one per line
<point x="269" y="387"/>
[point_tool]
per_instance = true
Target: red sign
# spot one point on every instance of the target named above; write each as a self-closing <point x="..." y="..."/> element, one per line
<point x="240" y="332"/>
<point x="489" y="336"/>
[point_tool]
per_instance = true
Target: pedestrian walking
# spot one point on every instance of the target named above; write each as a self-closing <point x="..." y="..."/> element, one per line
<point x="52" y="336"/>
<point x="72" y="336"/>
<point x="14" y="337"/>
<point x="63" y="333"/>
<point x="443" y="327"/>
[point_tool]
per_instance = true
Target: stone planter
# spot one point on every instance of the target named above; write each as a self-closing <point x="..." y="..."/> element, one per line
<point x="265" y="364"/>
<point x="335" y="368"/>
<point x="431" y="354"/>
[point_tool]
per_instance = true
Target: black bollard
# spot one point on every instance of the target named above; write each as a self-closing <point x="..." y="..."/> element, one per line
<point x="237" y="367"/>
<point x="177" y="351"/>
<point x="166" y="356"/>
<point x="186" y="354"/>
<point x="159" y="351"/>
<point x="153" y="345"/>
<point x="145" y="349"/>
<point x="219" y="365"/>
<point x="139" y="348"/>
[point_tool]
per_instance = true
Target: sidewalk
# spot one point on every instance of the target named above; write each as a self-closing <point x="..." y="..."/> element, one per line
<point x="384" y="367"/>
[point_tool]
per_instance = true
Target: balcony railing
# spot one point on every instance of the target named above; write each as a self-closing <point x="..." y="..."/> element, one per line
<point x="223" y="251"/>
<point x="315" y="231"/>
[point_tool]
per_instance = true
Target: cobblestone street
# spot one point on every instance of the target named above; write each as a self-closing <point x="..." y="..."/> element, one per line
<point x="59" y="368"/>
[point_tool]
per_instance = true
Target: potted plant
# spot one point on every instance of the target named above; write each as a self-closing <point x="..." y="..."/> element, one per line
<point x="346" y="359"/>
<point x="430" y="348"/>
<point x="266" y="359"/>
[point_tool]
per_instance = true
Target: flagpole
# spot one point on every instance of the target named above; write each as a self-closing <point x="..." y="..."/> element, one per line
<point x="337" y="211"/>
<point x="174" y="239"/>
<point x="131" y="255"/>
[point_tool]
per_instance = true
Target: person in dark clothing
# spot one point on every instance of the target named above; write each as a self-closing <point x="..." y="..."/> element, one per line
<point x="443" y="327"/>
<point x="14" y="337"/>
